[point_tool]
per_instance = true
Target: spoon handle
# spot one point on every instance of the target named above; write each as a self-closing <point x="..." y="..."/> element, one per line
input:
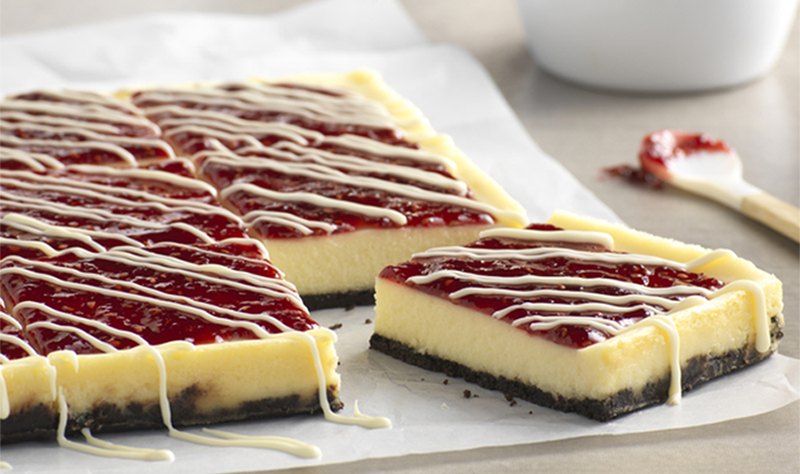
<point x="774" y="213"/>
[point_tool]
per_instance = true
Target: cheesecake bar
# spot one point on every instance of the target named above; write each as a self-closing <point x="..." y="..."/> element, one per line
<point x="215" y="323"/>
<point x="579" y="315"/>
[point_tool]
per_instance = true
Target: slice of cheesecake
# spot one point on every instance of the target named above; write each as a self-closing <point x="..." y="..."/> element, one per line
<point x="336" y="174"/>
<point x="579" y="315"/>
<point x="131" y="298"/>
<point x="214" y="326"/>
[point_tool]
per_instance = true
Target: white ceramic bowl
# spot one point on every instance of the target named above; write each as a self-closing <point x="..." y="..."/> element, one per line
<point x="657" y="45"/>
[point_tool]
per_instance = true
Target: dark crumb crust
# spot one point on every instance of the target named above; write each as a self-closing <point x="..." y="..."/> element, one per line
<point x="698" y="370"/>
<point x="41" y="422"/>
<point x="340" y="300"/>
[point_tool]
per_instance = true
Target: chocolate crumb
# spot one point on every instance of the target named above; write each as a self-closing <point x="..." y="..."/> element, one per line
<point x="350" y="308"/>
<point x="445" y="381"/>
<point x="530" y="412"/>
<point x="367" y="321"/>
<point x="467" y="394"/>
<point x="335" y="326"/>
<point x="509" y="397"/>
<point x="513" y="403"/>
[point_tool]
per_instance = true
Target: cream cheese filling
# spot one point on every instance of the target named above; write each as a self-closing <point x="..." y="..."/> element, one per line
<point x="402" y="315"/>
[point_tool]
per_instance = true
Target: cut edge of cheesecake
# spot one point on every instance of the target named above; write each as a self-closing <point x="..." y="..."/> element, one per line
<point x="357" y="257"/>
<point x="604" y="380"/>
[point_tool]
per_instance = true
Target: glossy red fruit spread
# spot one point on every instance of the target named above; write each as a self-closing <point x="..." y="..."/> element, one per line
<point x="158" y="302"/>
<point x="569" y="335"/>
<point x="8" y="348"/>
<point x="419" y="213"/>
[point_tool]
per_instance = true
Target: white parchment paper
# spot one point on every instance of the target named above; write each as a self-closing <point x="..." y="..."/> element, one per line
<point x="459" y="98"/>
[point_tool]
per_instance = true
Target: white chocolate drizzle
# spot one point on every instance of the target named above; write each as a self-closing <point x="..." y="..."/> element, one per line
<point x="300" y="152"/>
<point x="38" y="162"/>
<point x="162" y="264"/>
<point x="32" y="355"/>
<point x="89" y="135"/>
<point x="332" y="175"/>
<point x="317" y="200"/>
<point x="89" y="99"/>
<point x="125" y="157"/>
<point x="304" y="226"/>
<point x="107" y="449"/>
<point x="356" y="164"/>
<point x="97" y="215"/>
<point x="598" y="238"/>
<point x="374" y="147"/>
<point x="76" y="114"/>
<point x="210" y="119"/>
<point x="34" y="226"/>
<point x="85" y="121"/>
<point x="312" y="106"/>
<point x="660" y="303"/>
<point x="100" y="127"/>
<point x="148" y="174"/>
<point x="116" y="196"/>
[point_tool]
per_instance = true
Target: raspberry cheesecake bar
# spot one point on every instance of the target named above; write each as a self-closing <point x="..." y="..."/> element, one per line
<point x="214" y="324"/>
<point x="578" y="315"/>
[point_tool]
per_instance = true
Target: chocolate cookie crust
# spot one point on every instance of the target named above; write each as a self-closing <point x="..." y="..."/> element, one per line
<point x="40" y="422"/>
<point x="339" y="300"/>
<point x="698" y="370"/>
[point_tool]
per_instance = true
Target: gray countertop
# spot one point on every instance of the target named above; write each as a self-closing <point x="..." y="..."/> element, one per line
<point x="587" y="130"/>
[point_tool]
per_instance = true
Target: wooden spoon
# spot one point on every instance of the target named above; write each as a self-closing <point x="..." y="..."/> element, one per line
<point x="709" y="167"/>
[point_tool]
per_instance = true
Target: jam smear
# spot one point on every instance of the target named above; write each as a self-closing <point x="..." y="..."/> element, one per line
<point x="663" y="146"/>
<point x="658" y="150"/>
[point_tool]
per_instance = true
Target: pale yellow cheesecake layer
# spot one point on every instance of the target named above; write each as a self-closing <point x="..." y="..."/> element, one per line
<point x="319" y="265"/>
<point x="438" y="327"/>
<point x="220" y="376"/>
<point x="27" y="382"/>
